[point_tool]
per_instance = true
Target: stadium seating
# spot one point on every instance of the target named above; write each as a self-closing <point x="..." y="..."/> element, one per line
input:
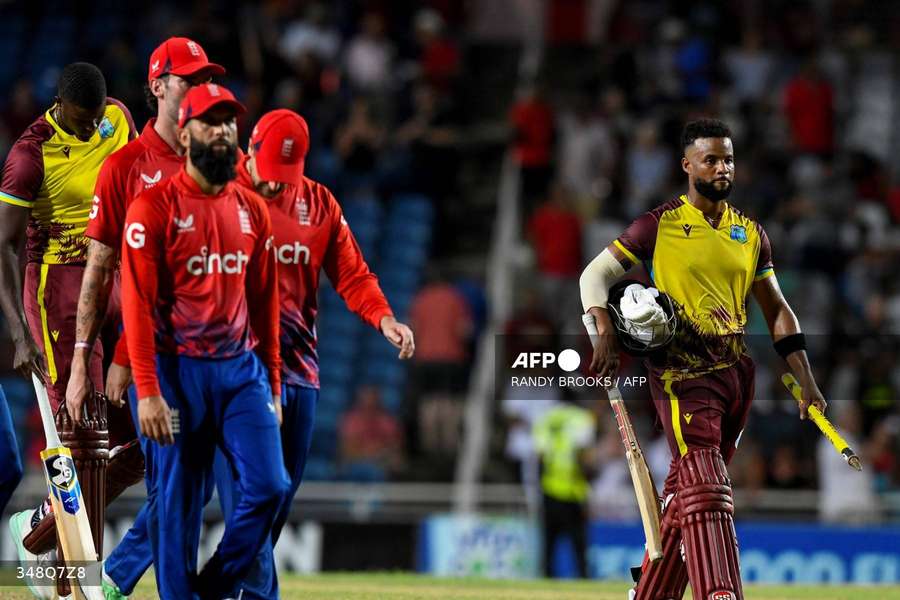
<point x="395" y="241"/>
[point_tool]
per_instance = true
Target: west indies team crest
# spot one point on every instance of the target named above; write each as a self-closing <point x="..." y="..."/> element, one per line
<point x="739" y="233"/>
<point x="106" y="128"/>
<point x="60" y="469"/>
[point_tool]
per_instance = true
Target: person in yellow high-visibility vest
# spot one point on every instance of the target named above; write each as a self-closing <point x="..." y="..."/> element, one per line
<point x="563" y="438"/>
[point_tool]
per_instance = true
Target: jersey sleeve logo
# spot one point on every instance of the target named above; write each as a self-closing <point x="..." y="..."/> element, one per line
<point x="687" y="229"/>
<point x="739" y="233"/>
<point x="136" y="235"/>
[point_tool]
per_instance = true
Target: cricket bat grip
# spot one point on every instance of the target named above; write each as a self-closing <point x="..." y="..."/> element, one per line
<point x="822" y="422"/>
<point x="47" y="419"/>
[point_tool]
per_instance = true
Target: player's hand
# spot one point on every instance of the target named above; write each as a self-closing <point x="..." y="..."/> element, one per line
<point x="400" y="335"/>
<point x="279" y="413"/>
<point x="79" y="389"/>
<point x="155" y="419"/>
<point x="118" y="378"/>
<point x="811" y="397"/>
<point x="29" y="358"/>
<point x="605" y="360"/>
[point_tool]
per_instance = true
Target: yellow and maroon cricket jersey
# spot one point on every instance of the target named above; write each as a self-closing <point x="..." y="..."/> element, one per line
<point x="707" y="271"/>
<point x="53" y="173"/>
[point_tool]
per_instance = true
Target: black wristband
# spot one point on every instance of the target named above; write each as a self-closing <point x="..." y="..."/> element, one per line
<point x="789" y="344"/>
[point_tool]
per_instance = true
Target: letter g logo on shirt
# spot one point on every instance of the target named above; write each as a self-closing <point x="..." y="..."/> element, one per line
<point x="135" y="235"/>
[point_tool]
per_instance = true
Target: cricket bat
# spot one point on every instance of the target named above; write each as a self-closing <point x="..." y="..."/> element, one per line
<point x="72" y="524"/>
<point x="644" y="489"/>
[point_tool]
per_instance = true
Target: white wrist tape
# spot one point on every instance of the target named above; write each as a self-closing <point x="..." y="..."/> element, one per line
<point x="597" y="278"/>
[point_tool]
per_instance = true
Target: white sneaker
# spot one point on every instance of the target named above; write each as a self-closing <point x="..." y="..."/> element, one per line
<point x="19" y="528"/>
<point x="631" y="594"/>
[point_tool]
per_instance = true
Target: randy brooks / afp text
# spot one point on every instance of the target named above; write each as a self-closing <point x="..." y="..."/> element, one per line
<point x="572" y="381"/>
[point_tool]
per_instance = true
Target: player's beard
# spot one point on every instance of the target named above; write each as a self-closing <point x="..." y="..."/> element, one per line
<point x="708" y="189"/>
<point x="217" y="167"/>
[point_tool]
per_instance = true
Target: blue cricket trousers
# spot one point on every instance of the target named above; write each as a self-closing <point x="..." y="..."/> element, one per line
<point x="10" y="462"/>
<point x="225" y="404"/>
<point x="299" y="409"/>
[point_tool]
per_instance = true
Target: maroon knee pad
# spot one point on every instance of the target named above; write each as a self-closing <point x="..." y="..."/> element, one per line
<point x="707" y="525"/>
<point x="667" y="578"/>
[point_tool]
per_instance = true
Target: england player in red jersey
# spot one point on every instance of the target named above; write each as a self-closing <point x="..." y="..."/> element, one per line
<point x="199" y="287"/>
<point x="311" y="236"/>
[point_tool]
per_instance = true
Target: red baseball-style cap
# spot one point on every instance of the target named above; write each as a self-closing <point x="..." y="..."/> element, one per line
<point x="180" y="56"/>
<point x="202" y="98"/>
<point x="280" y="142"/>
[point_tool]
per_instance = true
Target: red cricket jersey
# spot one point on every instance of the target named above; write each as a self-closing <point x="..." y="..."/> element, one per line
<point x="197" y="273"/>
<point x="138" y="166"/>
<point x="310" y="235"/>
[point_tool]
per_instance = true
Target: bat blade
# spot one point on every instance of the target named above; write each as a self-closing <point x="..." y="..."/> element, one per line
<point x="648" y="503"/>
<point x="644" y="488"/>
<point x="641" y="479"/>
<point x="69" y="510"/>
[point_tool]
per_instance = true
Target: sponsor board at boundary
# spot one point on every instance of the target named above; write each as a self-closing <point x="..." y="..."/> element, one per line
<point x="774" y="553"/>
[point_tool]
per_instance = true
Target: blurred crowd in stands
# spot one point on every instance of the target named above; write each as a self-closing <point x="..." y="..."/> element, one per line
<point x="808" y="96"/>
<point x="387" y="88"/>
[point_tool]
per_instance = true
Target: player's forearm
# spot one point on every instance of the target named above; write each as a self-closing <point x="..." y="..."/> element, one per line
<point x="367" y="301"/>
<point x="139" y="296"/>
<point x="799" y="363"/>
<point x="142" y="349"/>
<point x="11" y="291"/>
<point x="358" y="288"/>
<point x="784" y="324"/>
<point x="597" y="278"/>
<point x="96" y="286"/>
<point x="265" y="322"/>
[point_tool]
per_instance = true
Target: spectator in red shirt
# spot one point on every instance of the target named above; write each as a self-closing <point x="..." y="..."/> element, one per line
<point x="439" y="61"/>
<point x="809" y="109"/>
<point x="555" y="233"/>
<point x="533" y="126"/>
<point x="443" y="324"/>
<point x="371" y="439"/>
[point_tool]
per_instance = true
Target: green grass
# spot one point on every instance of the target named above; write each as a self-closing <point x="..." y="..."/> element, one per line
<point x="402" y="586"/>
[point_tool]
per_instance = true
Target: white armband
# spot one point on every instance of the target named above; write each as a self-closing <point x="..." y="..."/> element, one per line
<point x="597" y="278"/>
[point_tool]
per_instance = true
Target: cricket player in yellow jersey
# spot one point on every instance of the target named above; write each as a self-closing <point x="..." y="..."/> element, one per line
<point x="46" y="197"/>
<point x="707" y="257"/>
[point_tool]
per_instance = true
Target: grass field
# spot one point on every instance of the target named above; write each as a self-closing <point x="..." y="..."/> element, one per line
<point x="388" y="586"/>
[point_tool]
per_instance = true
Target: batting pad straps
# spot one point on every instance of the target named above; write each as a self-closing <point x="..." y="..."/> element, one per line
<point x="597" y="278"/>
<point x="789" y="344"/>
<point x="710" y="544"/>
